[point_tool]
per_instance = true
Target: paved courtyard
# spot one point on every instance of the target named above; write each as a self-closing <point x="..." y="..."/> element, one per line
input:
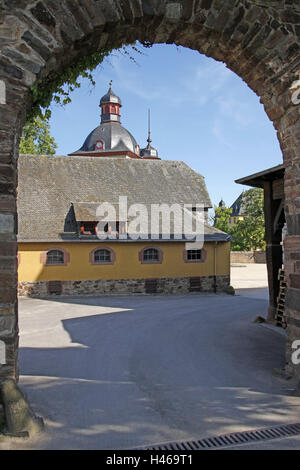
<point x="127" y="371"/>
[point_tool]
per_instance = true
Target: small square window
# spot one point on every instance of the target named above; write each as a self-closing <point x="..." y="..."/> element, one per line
<point x="194" y="254"/>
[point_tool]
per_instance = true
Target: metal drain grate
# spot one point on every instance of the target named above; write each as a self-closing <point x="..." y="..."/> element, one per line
<point x="232" y="439"/>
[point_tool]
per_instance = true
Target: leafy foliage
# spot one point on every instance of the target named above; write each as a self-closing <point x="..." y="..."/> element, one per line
<point x="221" y="219"/>
<point x="247" y="234"/>
<point x="253" y="227"/>
<point x="36" y="138"/>
<point x="59" y="86"/>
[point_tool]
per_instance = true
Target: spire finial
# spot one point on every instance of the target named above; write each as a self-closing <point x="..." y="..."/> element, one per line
<point x="149" y="131"/>
<point x="110" y="83"/>
<point x="149" y="151"/>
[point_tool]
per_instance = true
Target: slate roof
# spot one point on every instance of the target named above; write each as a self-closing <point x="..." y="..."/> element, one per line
<point x="238" y="206"/>
<point x="114" y="136"/>
<point x="53" y="188"/>
<point x="110" y="97"/>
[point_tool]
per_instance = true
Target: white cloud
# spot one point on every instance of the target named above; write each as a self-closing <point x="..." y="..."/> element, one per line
<point x="203" y="83"/>
<point x="238" y="111"/>
<point x="209" y="83"/>
<point x="219" y="133"/>
<point x="130" y="80"/>
<point x="206" y="81"/>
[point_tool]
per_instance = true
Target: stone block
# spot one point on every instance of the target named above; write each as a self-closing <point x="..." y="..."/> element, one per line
<point x="295" y="281"/>
<point x="43" y="15"/>
<point x="39" y="47"/>
<point x="7" y="325"/>
<point x="7" y="223"/>
<point x="8" y="294"/>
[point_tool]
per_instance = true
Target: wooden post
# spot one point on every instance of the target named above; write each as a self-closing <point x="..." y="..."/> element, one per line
<point x="273" y="248"/>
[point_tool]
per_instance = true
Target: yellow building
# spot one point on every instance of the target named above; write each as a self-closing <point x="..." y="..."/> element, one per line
<point x="66" y="246"/>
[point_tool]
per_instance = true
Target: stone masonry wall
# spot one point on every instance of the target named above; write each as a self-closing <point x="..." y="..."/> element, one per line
<point x="123" y="286"/>
<point x="257" y="39"/>
<point x="248" y="257"/>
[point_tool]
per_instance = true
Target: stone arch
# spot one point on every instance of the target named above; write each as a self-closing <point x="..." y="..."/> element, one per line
<point x="258" y="39"/>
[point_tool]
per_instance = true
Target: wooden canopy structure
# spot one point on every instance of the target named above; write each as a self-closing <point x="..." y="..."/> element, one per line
<point x="272" y="182"/>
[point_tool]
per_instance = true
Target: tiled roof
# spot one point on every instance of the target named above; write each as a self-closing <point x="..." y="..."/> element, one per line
<point x="51" y="187"/>
<point x="238" y="206"/>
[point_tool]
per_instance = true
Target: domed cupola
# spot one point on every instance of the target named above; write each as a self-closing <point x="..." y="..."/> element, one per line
<point x="110" y="139"/>
<point x="149" y="151"/>
<point x="110" y="96"/>
<point x="110" y="105"/>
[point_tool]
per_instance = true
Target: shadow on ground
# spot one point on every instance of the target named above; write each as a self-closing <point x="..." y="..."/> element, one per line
<point x="128" y="371"/>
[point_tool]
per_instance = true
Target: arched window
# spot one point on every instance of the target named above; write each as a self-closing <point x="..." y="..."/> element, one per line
<point x="55" y="257"/>
<point x="103" y="255"/>
<point x="150" y="255"/>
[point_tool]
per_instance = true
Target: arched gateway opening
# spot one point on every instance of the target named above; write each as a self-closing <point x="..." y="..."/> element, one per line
<point x="258" y="40"/>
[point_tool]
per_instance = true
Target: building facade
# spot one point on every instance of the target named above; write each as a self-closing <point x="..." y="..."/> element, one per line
<point x="238" y="212"/>
<point x="64" y="249"/>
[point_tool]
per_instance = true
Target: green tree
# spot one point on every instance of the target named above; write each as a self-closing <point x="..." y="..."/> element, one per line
<point x="221" y="219"/>
<point x="59" y="87"/>
<point x="247" y="234"/>
<point x="239" y="241"/>
<point x="253" y="227"/>
<point x="36" y="138"/>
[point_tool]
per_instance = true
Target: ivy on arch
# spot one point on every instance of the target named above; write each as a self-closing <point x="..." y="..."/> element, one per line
<point x="61" y="85"/>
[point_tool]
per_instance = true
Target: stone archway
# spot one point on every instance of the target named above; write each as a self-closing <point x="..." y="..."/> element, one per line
<point x="258" y="39"/>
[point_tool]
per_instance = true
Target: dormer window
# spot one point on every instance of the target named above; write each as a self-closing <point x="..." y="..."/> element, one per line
<point x="88" y="228"/>
<point x="112" y="228"/>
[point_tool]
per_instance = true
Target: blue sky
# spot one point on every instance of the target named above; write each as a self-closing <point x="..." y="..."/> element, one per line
<point x="201" y="113"/>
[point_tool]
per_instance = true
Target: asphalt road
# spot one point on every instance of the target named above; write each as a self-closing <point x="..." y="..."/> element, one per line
<point x="123" y="372"/>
